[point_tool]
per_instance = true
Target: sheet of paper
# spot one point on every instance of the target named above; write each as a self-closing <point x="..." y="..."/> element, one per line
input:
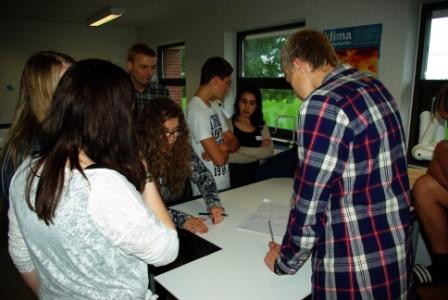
<point x="257" y="221"/>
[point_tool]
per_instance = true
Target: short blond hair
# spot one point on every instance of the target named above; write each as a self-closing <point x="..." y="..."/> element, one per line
<point x="311" y="46"/>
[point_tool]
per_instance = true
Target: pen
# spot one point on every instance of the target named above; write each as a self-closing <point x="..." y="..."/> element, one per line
<point x="270" y="230"/>
<point x="209" y="214"/>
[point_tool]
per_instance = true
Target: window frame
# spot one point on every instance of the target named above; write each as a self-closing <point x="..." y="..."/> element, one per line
<point x="423" y="88"/>
<point x="160" y="74"/>
<point x="264" y="82"/>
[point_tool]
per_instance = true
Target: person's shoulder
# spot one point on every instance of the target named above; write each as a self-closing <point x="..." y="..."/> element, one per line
<point x="195" y="100"/>
<point x="23" y="169"/>
<point x="110" y="182"/>
<point x="195" y="104"/>
<point x="342" y="82"/>
<point x="349" y="78"/>
<point x="106" y="176"/>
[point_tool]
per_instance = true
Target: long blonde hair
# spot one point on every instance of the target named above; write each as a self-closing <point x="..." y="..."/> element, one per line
<point x="40" y="76"/>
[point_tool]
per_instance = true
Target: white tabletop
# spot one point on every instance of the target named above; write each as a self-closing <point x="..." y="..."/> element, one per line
<point x="237" y="271"/>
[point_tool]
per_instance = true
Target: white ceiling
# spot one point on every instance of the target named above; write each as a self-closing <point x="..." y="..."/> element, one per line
<point x="138" y="12"/>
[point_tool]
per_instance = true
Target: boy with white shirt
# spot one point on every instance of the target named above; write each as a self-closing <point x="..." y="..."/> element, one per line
<point x="210" y="137"/>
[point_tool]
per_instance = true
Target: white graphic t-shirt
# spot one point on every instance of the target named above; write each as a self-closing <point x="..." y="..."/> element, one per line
<point x="205" y="122"/>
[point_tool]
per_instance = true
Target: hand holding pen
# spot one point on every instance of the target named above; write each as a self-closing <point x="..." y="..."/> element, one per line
<point x="271" y="256"/>
<point x="270" y="230"/>
<point x="274" y="249"/>
<point x="216" y="213"/>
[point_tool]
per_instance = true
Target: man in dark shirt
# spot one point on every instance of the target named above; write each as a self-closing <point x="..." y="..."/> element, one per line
<point x="142" y="65"/>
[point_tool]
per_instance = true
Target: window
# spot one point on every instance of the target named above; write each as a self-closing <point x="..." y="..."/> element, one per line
<point x="432" y="65"/>
<point x="259" y="64"/>
<point x="435" y="65"/>
<point x="171" y="71"/>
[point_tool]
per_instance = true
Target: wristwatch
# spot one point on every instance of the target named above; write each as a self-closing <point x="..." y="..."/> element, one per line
<point x="278" y="270"/>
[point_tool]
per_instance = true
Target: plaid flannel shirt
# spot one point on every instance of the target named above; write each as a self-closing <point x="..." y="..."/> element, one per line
<point x="351" y="191"/>
<point x="152" y="91"/>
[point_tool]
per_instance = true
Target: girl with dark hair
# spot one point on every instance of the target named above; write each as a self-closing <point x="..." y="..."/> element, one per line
<point x="39" y="79"/>
<point x="163" y="138"/>
<point x="78" y="223"/>
<point x="253" y="136"/>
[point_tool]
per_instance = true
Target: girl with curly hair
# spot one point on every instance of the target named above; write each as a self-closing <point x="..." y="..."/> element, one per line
<point x="163" y="138"/>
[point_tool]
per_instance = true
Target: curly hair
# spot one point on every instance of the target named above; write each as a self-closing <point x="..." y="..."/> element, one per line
<point x="170" y="165"/>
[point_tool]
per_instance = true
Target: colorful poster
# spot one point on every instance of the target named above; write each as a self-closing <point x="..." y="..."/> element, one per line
<point x="358" y="46"/>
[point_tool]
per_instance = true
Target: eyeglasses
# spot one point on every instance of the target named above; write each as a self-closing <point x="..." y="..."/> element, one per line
<point x="175" y="133"/>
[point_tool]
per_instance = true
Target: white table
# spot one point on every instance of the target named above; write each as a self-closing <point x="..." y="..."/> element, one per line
<point x="237" y="271"/>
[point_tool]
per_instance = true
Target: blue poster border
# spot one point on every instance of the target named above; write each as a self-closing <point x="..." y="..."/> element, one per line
<point x="355" y="37"/>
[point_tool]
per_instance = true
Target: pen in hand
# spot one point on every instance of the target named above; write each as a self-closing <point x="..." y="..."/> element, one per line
<point x="209" y="214"/>
<point x="270" y="230"/>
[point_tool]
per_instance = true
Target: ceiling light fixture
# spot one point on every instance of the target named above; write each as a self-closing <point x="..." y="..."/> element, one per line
<point x="105" y="16"/>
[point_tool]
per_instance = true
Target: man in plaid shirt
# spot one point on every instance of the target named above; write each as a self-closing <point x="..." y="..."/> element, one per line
<point x="351" y="190"/>
<point x="142" y="65"/>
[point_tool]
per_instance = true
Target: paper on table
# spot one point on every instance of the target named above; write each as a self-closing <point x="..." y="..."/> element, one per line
<point x="258" y="220"/>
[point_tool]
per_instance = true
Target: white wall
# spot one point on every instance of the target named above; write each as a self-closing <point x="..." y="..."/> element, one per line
<point x="206" y="32"/>
<point x="212" y="32"/>
<point x="20" y="39"/>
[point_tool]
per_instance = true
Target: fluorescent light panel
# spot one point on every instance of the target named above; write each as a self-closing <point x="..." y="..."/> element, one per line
<point x="105" y="16"/>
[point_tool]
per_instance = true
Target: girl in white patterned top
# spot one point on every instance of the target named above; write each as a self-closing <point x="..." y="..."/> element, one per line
<point x="79" y="227"/>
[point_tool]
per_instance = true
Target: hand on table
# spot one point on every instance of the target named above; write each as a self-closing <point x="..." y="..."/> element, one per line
<point x="195" y="224"/>
<point x="271" y="256"/>
<point x="216" y="214"/>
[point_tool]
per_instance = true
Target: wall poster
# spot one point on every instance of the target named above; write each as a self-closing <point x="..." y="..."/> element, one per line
<point x="358" y="46"/>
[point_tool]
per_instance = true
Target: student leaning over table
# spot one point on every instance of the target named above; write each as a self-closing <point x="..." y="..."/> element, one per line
<point x="79" y="228"/>
<point x="163" y="139"/>
<point x="351" y="190"/>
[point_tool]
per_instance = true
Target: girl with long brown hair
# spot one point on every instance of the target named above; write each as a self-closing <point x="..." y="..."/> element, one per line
<point x="78" y="223"/>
